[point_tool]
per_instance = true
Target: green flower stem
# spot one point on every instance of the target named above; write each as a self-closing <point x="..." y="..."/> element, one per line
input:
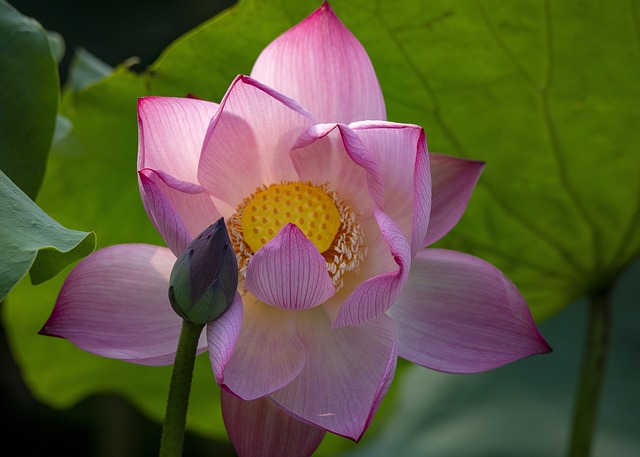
<point x="592" y="376"/>
<point x="179" y="389"/>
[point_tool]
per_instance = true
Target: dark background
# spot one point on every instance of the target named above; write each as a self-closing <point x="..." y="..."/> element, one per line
<point x="116" y="30"/>
<point x="102" y="425"/>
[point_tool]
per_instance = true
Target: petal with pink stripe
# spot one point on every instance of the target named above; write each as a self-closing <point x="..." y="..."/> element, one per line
<point x="460" y="314"/>
<point x="115" y="303"/>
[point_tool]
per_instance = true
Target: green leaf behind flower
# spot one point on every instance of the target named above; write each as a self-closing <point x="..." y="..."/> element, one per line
<point x="545" y="93"/>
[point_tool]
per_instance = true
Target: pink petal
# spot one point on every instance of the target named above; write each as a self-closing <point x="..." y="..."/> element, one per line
<point x="324" y="67"/>
<point x="248" y="142"/>
<point x="347" y="373"/>
<point x="375" y="296"/>
<point x="289" y="272"/>
<point x="400" y="152"/>
<point x="171" y="132"/>
<point x="378" y="260"/>
<point x="165" y="219"/>
<point x="179" y="210"/>
<point x="115" y="303"/>
<point x="395" y="155"/>
<point x="222" y="335"/>
<point x="460" y="314"/>
<point x="333" y="153"/>
<point x="259" y="428"/>
<point x="268" y="355"/>
<point x="453" y="182"/>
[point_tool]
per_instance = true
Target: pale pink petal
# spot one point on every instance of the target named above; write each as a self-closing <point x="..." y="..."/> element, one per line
<point x="115" y="303"/>
<point x="378" y="260"/>
<point x="453" y="181"/>
<point x="171" y="132"/>
<point x="268" y="355"/>
<point x="289" y="272"/>
<point x="179" y="210"/>
<point x="387" y="166"/>
<point x="347" y="373"/>
<point x="400" y="152"/>
<point x="375" y="296"/>
<point x="384" y="385"/>
<point x="260" y="428"/>
<point x="324" y="67"/>
<point x="248" y="142"/>
<point x="222" y="335"/>
<point x="334" y="154"/>
<point x="460" y="314"/>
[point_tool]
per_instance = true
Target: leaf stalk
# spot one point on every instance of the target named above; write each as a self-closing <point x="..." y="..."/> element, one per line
<point x="592" y="376"/>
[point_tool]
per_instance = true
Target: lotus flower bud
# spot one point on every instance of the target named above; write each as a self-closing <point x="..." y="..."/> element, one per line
<point x="204" y="279"/>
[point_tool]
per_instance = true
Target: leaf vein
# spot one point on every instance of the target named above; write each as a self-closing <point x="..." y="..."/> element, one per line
<point x="635" y="22"/>
<point x="556" y="146"/>
<point x="457" y="144"/>
<point x="538" y="267"/>
<point x="505" y="49"/>
<point x="635" y="219"/>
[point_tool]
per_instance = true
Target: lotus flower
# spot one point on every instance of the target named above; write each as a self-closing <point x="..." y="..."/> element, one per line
<point x="330" y="207"/>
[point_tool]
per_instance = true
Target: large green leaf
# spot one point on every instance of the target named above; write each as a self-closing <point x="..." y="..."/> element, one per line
<point x="529" y="87"/>
<point x="549" y="104"/>
<point x="29" y="92"/>
<point x="31" y="240"/>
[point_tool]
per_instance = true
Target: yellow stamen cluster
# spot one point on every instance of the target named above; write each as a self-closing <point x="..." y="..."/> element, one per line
<point x="307" y="206"/>
<point x="318" y="211"/>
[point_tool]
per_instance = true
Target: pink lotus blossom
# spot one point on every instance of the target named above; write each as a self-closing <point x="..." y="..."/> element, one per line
<point x="330" y="207"/>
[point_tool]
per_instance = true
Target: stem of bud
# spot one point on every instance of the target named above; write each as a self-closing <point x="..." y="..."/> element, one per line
<point x="179" y="389"/>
